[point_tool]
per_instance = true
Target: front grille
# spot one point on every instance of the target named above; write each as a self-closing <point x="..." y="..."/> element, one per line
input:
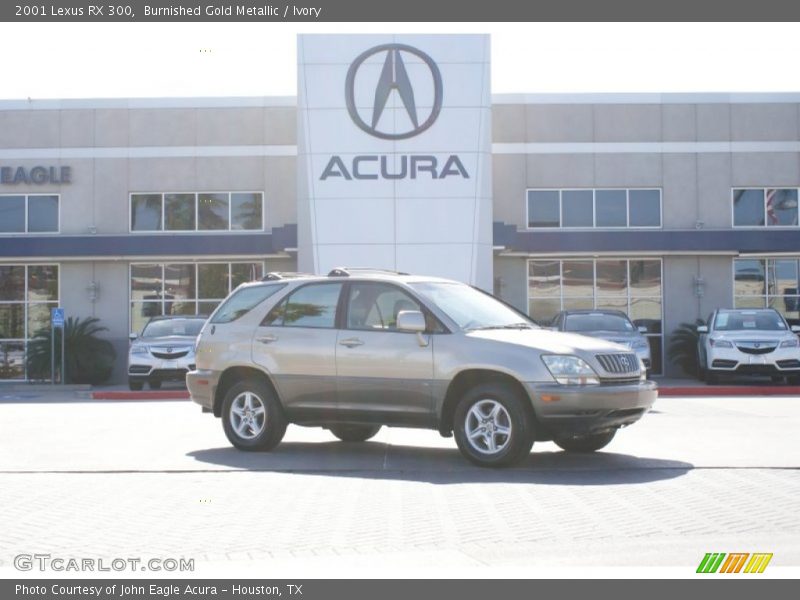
<point x="138" y="369"/>
<point x="619" y="380"/>
<point x="619" y="363"/>
<point x="170" y="355"/>
<point x="756" y="347"/>
<point x="792" y="363"/>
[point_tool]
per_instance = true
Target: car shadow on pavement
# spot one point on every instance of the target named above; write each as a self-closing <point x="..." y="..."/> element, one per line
<point x="375" y="460"/>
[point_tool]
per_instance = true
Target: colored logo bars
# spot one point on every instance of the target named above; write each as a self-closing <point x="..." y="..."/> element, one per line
<point x="736" y="562"/>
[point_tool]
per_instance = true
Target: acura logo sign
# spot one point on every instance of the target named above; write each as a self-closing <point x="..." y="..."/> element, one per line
<point x="394" y="77"/>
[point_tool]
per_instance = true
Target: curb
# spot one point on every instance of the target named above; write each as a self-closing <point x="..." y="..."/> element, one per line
<point x="731" y="390"/>
<point x="143" y="395"/>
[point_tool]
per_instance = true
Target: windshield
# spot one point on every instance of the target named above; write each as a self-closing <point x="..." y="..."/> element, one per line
<point x="470" y="308"/>
<point x="170" y="327"/>
<point x="765" y="320"/>
<point x="598" y="322"/>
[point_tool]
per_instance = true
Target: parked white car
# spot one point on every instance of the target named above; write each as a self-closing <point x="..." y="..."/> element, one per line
<point x="749" y="342"/>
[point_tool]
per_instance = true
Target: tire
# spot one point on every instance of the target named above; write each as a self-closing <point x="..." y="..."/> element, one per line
<point x="252" y="416"/>
<point x="354" y="433"/>
<point x="155" y="385"/>
<point x="135" y="386"/>
<point x="496" y="405"/>
<point x="585" y="443"/>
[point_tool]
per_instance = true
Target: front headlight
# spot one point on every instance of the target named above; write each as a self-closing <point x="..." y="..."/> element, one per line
<point x="139" y="349"/>
<point x="719" y="343"/>
<point x="642" y="371"/>
<point x="570" y="370"/>
<point x="792" y="343"/>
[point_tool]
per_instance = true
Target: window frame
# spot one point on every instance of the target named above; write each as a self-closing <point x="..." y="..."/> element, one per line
<point x="161" y="263"/>
<point x="196" y="229"/>
<point x="763" y="189"/>
<point x="26" y="230"/>
<point x="27" y="334"/>
<point x="594" y="226"/>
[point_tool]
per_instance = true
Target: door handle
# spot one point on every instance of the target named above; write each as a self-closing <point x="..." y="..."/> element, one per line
<point x="267" y="339"/>
<point x="351" y="342"/>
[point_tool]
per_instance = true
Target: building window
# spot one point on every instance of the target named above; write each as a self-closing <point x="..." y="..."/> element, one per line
<point x="768" y="283"/>
<point x="27" y="293"/>
<point x="765" y="207"/>
<point x="594" y="208"/>
<point x="184" y="288"/>
<point x="189" y="211"/>
<point x="29" y="213"/>
<point x="633" y="286"/>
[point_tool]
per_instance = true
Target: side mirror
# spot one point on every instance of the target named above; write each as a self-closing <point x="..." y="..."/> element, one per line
<point x="642" y="329"/>
<point x="702" y="329"/>
<point x="133" y="336"/>
<point x="412" y="321"/>
<point x="795" y="328"/>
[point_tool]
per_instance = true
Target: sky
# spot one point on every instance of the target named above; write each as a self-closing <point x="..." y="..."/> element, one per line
<point x="107" y="60"/>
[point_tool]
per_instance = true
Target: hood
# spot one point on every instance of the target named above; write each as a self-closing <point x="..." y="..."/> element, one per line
<point x="544" y="340"/>
<point x="753" y="335"/>
<point x="620" y="337"/>
<point x="169" y="340"/>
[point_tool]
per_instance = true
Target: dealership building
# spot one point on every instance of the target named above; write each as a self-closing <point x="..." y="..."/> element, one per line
<point x="395" y="154"/>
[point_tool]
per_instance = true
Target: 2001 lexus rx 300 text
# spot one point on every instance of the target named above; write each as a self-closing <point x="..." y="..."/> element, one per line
<point x="360" y="349"/>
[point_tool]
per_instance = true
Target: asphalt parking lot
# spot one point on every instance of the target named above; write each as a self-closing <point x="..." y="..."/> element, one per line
<point x="118" y="479"/>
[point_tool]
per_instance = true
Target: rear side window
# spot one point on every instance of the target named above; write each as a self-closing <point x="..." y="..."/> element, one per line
<point x="312" y="305"/>
<point x="243" y="301"/>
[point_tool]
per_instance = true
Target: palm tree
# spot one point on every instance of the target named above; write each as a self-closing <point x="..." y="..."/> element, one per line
<point x="88" y="359"/>
<point x="682" y="349"/>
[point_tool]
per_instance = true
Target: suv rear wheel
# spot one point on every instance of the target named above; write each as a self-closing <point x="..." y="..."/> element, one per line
<point x="252" y="417"/>
<point x="585" y="443"/>
<point x="491" y="426"/>
<point x="354" y="433"/>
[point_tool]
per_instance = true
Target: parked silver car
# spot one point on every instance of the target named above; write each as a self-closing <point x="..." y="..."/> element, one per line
<point x="749" y="342"/>
<point x="611" y="325"/>
<point x="359" y="349"/>
<point x="164" y="351"/>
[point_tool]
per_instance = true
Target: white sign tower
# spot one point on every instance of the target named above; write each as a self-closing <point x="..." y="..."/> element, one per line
<point x="394" y="154"/>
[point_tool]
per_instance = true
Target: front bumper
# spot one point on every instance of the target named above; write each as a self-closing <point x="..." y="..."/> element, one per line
<point x="784" y="361"/>
<point x="563" y="409"/>
<point x="202" y="385"/>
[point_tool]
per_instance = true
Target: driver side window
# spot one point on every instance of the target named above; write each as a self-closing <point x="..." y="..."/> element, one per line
<point x="375" y="306"/>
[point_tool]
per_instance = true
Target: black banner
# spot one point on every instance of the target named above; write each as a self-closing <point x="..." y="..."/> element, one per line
<point x="733" y="588"/>
<point x="397" y="11"/>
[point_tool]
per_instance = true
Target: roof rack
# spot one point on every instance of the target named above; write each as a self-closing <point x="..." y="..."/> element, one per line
<point x="276" y="275"/>
<point x="348" y="271"/>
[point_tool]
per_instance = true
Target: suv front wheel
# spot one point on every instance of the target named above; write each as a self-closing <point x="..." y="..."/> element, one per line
<point x="252" y="417"/>
<point x="491" y="426"/>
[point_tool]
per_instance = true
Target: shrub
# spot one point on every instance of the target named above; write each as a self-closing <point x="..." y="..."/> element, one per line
<point x="88" y="359"/>
<point x="682" y="349"/>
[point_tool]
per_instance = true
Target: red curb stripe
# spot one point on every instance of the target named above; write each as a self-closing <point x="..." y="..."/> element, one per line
<point x="730" y="390"/>
<point x="149" y="395"/>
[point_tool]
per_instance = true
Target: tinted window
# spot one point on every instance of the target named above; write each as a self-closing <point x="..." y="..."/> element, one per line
<point x="243" y="301"/>
<point x="42" y="213"/>
<point x="179" y="212"/>
<point x="212" y="211"/>
<point x="312" y="305"/>
<point x="597" y="322"/>
<point x="645" y="208"/>
<point x="611" y="208"/>
<point x="782" y="207"/>
<point x="376" y="306"/>
<point x="543" y="209"/>
<point x="146" y="212"/>
<point x="12" y="214"/>
<point x="246" y="211"/>
<point x="748" y="207"/>
<point x="577" y="208"/>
